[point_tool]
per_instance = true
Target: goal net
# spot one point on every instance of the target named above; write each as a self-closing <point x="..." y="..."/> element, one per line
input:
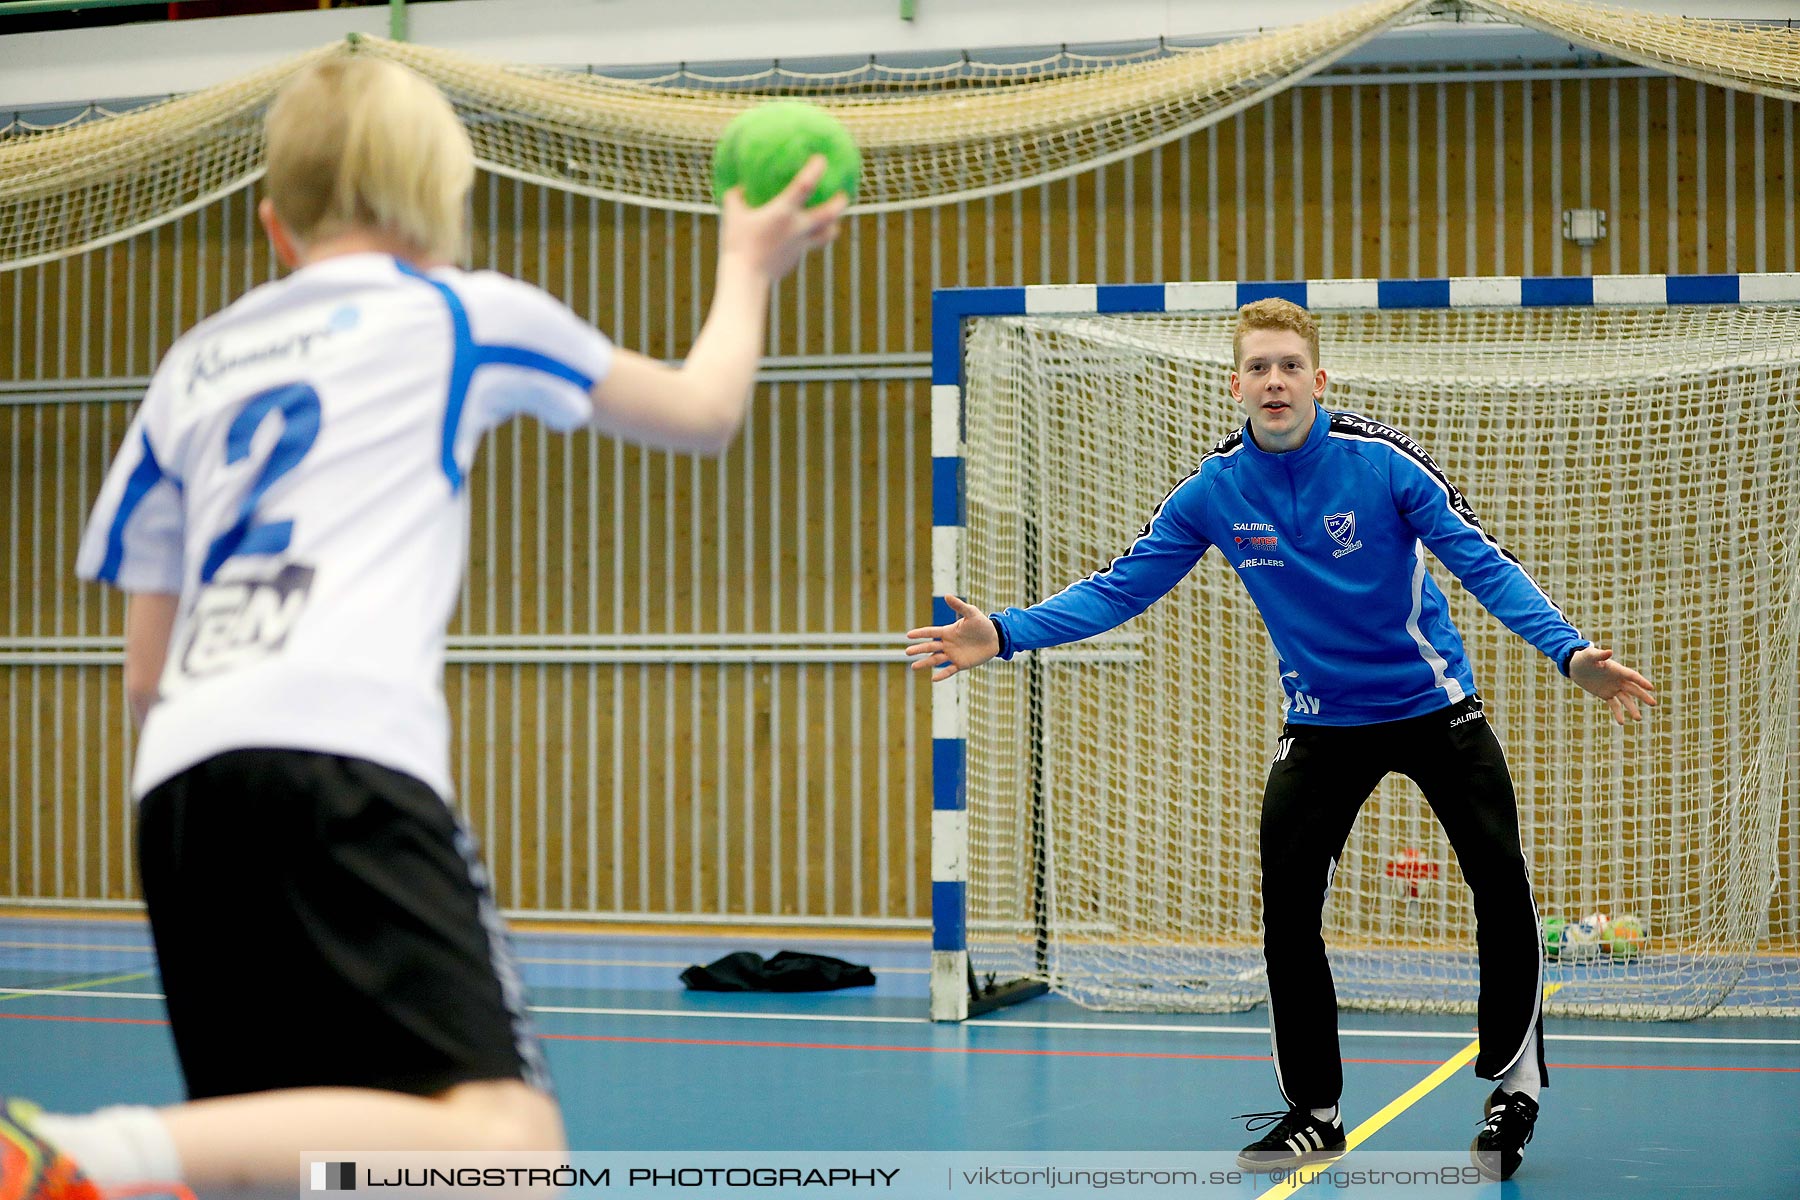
<point x="1644" y="464"/>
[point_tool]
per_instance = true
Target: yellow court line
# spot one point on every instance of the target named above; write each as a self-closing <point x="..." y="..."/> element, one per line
<point x="1394" y="1108"/>
<point x="76" y="987"/>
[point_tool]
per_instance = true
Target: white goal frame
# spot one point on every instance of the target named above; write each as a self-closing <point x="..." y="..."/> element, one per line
<point x="955" y="993"/>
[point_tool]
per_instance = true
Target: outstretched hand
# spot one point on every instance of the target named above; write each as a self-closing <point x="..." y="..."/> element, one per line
<point x="961" y="646"/>
<point x="776" y="236"/>
<point x="1595" y="669"/>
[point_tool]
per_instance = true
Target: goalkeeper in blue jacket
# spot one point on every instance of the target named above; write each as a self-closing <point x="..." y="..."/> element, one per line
<point x="1326" y="518"/>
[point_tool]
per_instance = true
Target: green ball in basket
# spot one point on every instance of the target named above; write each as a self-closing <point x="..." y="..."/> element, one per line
<point x="1553" y="937"/>
<point x="765" y="147"/>
<point x="1625" y="937"/>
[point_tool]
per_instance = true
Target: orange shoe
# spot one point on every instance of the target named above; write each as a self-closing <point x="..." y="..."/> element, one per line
<point x="31" y="1168"/>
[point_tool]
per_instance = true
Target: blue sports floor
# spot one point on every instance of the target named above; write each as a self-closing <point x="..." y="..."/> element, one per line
<point x="1634" y="1110"/>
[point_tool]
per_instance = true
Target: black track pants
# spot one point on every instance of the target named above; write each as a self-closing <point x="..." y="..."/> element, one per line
<point x="1320" y="778"/>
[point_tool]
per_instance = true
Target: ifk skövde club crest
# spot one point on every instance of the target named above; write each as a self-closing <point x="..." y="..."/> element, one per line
<point x="1341" y="527"/>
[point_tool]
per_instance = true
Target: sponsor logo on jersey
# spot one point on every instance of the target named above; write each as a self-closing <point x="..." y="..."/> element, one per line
<point x="1342" y="528"/>
<point x="238" y="620"/>
<point x="1370" y="428"/>
<point x="212" y="360"/>
<point x="1256" y="539"/>
<point x="1295" y="699"/>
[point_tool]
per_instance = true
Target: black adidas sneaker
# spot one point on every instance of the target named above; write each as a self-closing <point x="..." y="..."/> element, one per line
<point x="1299" y="1138"/>
<point x="1500" y="1146"/>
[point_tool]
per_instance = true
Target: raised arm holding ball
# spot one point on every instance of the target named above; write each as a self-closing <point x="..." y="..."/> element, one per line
<point x="303" y="453"/>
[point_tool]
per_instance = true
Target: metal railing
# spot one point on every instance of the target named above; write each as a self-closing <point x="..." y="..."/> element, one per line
<point x="397" y="24"/>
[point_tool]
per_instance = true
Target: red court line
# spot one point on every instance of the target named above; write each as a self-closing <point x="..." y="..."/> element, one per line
<point x="1667" y="1067"/>
<point x="11" y="1016"/>
<point x="648" y="1041"/>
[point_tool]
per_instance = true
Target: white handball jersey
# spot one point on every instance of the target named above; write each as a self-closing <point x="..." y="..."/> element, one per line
<point x="296" y="474"/>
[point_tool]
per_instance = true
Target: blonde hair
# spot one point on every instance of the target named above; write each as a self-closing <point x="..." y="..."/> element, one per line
<point x="360" y="143"/>
<point x="1275" y="313"/>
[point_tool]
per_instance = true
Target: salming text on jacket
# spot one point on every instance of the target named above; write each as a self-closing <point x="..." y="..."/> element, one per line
<point x="1330" y="540"/>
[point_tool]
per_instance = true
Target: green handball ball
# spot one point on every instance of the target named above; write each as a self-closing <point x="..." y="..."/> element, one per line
<point x="765" y="147"/>
<point x="1625" y="938"/>
<point x="1553" y="937"/>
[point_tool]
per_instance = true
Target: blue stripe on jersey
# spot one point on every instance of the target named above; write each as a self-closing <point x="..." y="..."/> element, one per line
<point x="146" y="475"/>
<point x="519" y="356"/>
<point x="467" y="356"/>
<point x="462" y="369"/>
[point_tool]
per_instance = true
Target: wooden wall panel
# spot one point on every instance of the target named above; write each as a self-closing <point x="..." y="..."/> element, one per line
<point x="785" y="788"/>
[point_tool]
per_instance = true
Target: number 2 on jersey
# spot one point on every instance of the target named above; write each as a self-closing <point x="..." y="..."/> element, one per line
<point x="298" y="405"/>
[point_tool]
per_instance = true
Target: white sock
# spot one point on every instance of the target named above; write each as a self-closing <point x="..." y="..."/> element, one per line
<point x="1327" y="1115"/>
<point x="115" y="1147"/>
<point x="1523" y="1078"/>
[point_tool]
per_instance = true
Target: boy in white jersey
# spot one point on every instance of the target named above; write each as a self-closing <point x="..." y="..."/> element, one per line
<point x="289" y="516"/>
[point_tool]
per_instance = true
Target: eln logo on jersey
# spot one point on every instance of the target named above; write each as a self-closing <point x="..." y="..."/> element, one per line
<point x="1342" y="528"/>
<point x="334" y="1177"/>
<point x="237" y="620"/>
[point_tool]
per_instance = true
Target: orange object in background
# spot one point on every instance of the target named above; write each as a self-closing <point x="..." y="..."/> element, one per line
<point x="1410" y="866"/>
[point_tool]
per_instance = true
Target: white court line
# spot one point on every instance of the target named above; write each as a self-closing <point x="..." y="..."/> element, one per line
<point x="1260" y="1031"/>
<point x="145" y="949"/>
<point x="835" y="1018"/>
<point x="678" y="964"/>
<point x="1263" y="1031"/>
<point x="95" y="995"/>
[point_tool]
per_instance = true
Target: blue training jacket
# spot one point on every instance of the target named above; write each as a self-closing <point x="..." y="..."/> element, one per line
<point x="1330" y="540"/>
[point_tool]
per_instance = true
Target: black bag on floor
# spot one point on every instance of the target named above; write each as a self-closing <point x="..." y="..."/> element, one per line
<point x="787" y="971"/>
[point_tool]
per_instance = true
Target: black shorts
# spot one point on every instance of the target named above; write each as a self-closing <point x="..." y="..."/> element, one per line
<point x="325" y="922"/>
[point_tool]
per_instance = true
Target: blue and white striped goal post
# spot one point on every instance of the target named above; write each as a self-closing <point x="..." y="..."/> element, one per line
<point x="953" y="996"/>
